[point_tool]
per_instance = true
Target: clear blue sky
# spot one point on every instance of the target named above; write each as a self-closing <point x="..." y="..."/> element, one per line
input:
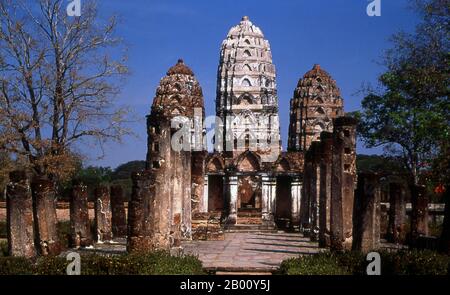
<point x="337" y="34"/>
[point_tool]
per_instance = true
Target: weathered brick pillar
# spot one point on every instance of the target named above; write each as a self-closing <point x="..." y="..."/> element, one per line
<point x="397" y="213"/>
<point x="103" y="216"/>
<point x="80" y="230"/>
<point x="46" y="231"/>
<point x="419" y="214"/>
<point x="326" y="139"/>
<point x="140" y="214"/>
<point x="198" y="181"/>
<point x="19" y="214"/>
<point x="367" y="213"/>
<point x="185" y="196"/>
<point x="305" y="201"/>
<point x="296" y="194"/>
<point x="232" y="194"/>
<point x="343" y="183"/>
<point x="118" y="215"/>
<point x="315" y="190"/>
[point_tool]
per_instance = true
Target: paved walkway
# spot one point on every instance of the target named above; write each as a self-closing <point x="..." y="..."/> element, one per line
<point x="250" y="251"/>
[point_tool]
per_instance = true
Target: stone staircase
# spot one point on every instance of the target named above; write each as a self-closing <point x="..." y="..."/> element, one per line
<point x="249" y="220"/>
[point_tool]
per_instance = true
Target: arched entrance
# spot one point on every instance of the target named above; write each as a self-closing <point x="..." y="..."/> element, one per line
<point x="283" y="202"/>
<point x="215" y="171"/>
<point x="249" y="184"/>
<point x="249" y="192"/>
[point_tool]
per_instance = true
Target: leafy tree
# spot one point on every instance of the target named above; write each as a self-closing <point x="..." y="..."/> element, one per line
<point x="59" y="76"/>
<point x="92" y="176"/>
<point x="377" y="163"/>
<point x="410" y="114"/>
<point x="124" y="171"/>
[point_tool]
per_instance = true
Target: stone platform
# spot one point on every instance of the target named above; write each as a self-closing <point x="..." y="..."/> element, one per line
<point x="241" y="252"/>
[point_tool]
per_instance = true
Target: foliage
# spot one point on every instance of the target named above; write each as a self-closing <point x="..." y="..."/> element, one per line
<point x="15" y="266"/>
<point x="64" y="233"/>
<point x="403" y="262"/>
<point x="410" y="115"/>
<point x="154" y="263"/>
<point x="377" y="163"/>
<point x="319" y="264"/>
<point x="58" y="81"/>
<point x="3" y="234"/>
<point x="124" y="171"/>
<point x="415" y="262"/>
<point x="3" y="248"/>
<point x="93" y="176"/>
<point x="122" y="175"/>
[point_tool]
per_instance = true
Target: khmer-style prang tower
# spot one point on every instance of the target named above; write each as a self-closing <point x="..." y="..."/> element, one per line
<point x="317" y="101"/>
<point x="247" y="99"/>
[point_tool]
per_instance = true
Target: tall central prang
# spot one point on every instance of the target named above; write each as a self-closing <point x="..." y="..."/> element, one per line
<point x="247" y="99"/>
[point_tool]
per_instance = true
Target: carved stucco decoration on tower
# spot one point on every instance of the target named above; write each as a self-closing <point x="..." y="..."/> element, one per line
<point x="317" y="101"/>
<point x="178" y="93"/>
<point x="246" y="92"/>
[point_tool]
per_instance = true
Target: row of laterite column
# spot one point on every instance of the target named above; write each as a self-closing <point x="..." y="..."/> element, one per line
<point x="32" y="221"/>
<point x="342" y="209"/>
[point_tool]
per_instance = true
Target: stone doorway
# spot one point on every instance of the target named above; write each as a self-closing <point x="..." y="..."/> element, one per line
<point x="249" y="193"/>
<point x="283" y="202"/>
<point x="216" y="199"/>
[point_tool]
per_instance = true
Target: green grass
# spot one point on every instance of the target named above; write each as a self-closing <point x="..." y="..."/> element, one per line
<point x="154" y="263"/>
<point x="406" y="262"/>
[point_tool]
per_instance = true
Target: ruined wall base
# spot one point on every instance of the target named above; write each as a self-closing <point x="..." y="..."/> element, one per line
<point x="207" y="227"/>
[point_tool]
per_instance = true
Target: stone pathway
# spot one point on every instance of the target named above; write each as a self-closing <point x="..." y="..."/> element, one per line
<point x="250" y="252"/>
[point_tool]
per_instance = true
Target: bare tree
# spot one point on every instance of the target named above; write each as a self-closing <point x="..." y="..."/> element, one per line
<point x="59" y="77"/>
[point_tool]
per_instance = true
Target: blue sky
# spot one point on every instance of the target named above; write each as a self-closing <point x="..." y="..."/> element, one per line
<point x="337" y="34"/>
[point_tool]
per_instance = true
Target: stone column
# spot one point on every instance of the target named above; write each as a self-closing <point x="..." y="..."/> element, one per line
<point x="204" y="208"/>
<point x="343" y="183"/>
<point x="198" y="178"/>
<point x="305" y="201"/>
<point x="367" y="213"/>
<point x="118" y="215"/>
<point x="80" y="229"/>
<point x="265" y="208"/>
<point x="186" y="196"/>
<point x="139" y="217"/>
<point x="232" y="197"/>
<point x="326" y="139"/>
<point x="296" y="195"/>
<point x="420" y="214"/>
<point x="268" y="200"/>
<point x="102" y="214"/>
<point x="46" y="232"/>
<point x="397" y="213"/>
<point x="315" y="190"/>
<point x="273" y="197"/>
<point x="19" y="214"/>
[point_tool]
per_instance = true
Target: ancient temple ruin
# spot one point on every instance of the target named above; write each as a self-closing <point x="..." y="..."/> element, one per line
<point x="246" y="181"/>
